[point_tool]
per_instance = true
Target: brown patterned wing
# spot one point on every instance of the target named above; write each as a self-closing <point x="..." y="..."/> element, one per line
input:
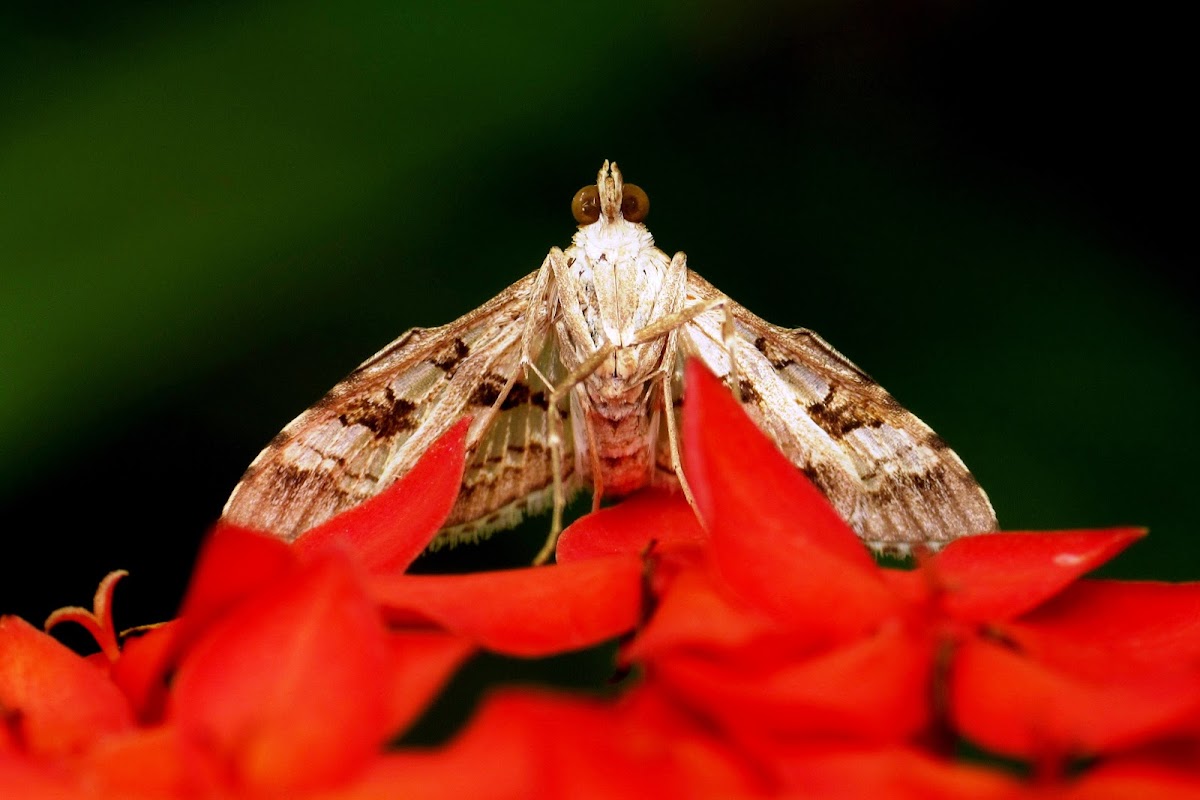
<point x="372" y="427"/>
<point x="509" y="472"/>
<point x="886" y="472"/>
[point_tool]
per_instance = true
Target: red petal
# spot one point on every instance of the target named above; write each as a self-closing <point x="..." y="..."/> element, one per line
<point x="894" y="772"/>
<point x="291" y="690"/>
<point x="1002" y="575"/>
<point x="1124" y="779"/>
<point x="476" y="765"/>
<point x="587" y="749"/>
<point x="1013" y="705"/>
<point x="1143" y="622"/>
<point x="97" y="621"/>
<point x="874" y="689"/>
<point x="390" y="530"/>
<point x="143" y="668"/>
<point x="233" y="564"/>
<point x="494" y="757"/>
<point x="526" y="745"/>
<point x="528" y="612"/>
<point x="53" y="701"/>
<point x="142" y="763"/>
<point x="421" y="663"/>
<point x="694" y="615"/>
<point x="653" y="516"/>
<point x="733" y="467"/>
<point x="27" y="779"/>
<point x="776" y="539"/>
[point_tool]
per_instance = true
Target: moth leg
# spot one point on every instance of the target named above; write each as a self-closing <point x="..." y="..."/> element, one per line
<point x="673" y="441"/>
<point x="729" y="335"/>
<point x="557" y="394"/>
<point x="554" y="414"/>
<point x="597" y="474"/>
<point x="672" y="322"/>
<point x="598" y="487"/>
<point x="560" y="500"/>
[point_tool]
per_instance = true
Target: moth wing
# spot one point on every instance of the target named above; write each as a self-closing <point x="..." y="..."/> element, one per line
<point x="509" y="472"/>
<point x="371" y="428"/>
<point x="893" y="479"/>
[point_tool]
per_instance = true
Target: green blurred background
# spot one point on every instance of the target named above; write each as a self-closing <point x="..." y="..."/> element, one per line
<point x="211" y="212"/>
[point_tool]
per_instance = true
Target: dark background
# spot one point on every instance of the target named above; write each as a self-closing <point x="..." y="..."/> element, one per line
<point x="209" y="213"/>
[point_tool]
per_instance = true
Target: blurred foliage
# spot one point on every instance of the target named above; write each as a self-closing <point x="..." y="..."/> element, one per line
<point x="211" y="212"/>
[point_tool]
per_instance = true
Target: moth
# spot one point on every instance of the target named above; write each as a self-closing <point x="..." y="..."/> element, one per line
<point x="573" y="377"/>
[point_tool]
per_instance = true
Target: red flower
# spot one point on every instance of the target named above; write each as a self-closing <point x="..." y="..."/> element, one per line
<point x="783" y="630"/>
<point x="290" y="667"/>
<point x="769" y="656"/>
<point x="52" y="701"/>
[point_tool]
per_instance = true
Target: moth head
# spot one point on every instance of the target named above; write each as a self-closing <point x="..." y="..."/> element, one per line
<point x="611" y="198"/>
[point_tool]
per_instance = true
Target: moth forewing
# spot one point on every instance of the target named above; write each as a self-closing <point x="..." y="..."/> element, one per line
<point x="573" y="378"/>
<point x="373" y="426"/>
<point x="886" y="472"/>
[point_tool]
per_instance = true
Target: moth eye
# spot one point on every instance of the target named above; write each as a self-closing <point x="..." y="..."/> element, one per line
<point x="635" y="205"/>
<point x="585" y="206"/>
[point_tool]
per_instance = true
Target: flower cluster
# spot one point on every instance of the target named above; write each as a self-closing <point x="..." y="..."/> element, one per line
<point x="766" y="653"/>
